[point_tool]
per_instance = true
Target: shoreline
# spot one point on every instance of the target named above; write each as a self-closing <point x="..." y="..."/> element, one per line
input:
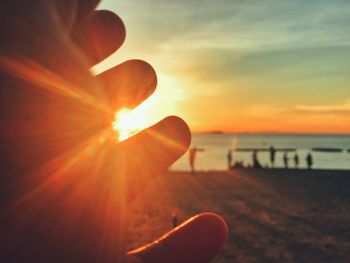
<point x="272" y="170"/>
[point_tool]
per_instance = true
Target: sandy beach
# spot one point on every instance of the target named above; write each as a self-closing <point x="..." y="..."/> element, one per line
<point x="273" y="215"/>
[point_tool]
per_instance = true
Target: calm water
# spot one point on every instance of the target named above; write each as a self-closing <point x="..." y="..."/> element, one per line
<point x="217" y="145"/>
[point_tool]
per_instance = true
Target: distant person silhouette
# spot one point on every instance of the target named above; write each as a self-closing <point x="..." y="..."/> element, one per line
<point x="229" y="159"/>
<point x="256" y="163"/>
<point x="238" y="165"/>
<point x="174" y="220"/>
<point x="309" y="161"/>
<point x="285" y="160"/>
<point x="272" y="156"/>
<point x="192" y="157"/>
<point x="296" y="160"/>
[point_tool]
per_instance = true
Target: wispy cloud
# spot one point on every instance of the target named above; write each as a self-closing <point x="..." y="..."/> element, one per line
<point x="330" y="108"/>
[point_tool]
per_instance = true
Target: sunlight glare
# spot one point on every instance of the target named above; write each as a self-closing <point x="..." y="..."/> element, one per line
<point x="128" y="122"/>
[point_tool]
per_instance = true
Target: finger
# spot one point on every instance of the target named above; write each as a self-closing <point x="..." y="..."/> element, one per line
<point x="197" y="240"/>
<point x="151" y="152"/>
<point x="99" y="36"/>
<point x="128" y="84"/>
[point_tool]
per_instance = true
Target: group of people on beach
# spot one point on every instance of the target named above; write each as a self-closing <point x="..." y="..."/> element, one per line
<point x="309" y="159"/>
<point x="255" y="164"/>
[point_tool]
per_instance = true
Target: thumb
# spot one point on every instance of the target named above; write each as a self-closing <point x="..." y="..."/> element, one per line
<point x="197" y="240"/>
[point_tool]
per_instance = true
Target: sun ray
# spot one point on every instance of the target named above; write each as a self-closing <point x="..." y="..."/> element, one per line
<point x="32" y="72"/>
<point x="129" y="122"/>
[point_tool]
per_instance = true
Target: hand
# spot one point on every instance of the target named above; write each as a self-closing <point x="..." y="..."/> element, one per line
<point x="66" y="182"/>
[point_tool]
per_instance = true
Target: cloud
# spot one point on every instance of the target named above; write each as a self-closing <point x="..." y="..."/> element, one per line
<point x="251" y="24"/>
<point x="343" y="107"/>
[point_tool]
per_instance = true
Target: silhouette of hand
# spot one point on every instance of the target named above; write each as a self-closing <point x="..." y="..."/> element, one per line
<point x="66" y="181"/>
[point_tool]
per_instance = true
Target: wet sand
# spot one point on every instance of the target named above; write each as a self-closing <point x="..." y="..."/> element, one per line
<point x="273" y="215"/>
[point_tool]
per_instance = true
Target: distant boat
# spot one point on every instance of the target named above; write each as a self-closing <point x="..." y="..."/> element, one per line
<point x="215" y="132"/>
<point x="328" y="150"/>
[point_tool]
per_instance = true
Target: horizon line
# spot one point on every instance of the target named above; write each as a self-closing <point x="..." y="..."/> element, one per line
<point x="269" y="133"/>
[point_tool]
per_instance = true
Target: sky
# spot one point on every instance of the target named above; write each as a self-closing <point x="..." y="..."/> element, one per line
<point x="243" y="65"/>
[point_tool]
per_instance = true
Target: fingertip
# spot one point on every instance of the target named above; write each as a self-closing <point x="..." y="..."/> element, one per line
<point x="145" y="70"/>
<point x="164" y="142"/>
<point x="115" y="25"/>
<point x="101" y="34"/>
<point x="129" y="83"/>
<point x="138" y="81"/>
<point x="198" y="240"/>
<point x="215" y="226"/>
<point x="180" y="130"/>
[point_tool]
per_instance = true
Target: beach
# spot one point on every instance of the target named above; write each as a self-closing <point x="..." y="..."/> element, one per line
<point x="273" y="215"/>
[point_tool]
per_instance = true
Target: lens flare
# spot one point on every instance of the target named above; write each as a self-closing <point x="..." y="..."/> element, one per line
<point x="127" y="123"/>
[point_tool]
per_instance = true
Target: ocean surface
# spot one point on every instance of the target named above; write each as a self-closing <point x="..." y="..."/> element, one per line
<point x="216" y="146"/>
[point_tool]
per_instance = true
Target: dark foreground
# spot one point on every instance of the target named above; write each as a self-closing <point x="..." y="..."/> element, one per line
<point x="273" y="216"/>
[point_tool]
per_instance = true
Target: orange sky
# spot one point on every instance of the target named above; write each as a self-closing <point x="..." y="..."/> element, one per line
<point x="277" y="66"/>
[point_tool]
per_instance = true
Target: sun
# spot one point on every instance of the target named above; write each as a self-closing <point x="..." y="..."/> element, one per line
<point x="123" y="124"/>
<point x="128" y="122"/>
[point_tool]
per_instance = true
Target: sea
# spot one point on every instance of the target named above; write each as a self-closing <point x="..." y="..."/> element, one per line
<point x="217" y="145"/>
